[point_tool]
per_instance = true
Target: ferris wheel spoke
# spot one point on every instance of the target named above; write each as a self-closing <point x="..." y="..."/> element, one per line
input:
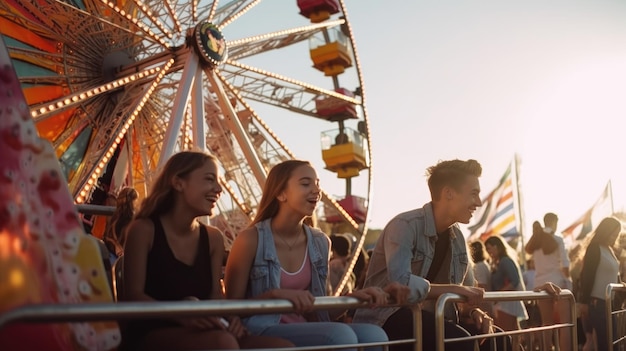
<point x="265" y="140"/>
<point x="277" y="90"/>
<point x="173" y="15"/>
<point x="240" y="180"/>
<point x="148" y="13"/>
<point x="146" y="154"/>
<point x="212" y="11"/>
<point x="135" y="22"/>
<point x="235" y="10"/>
<point x="105" y="143"/>
<point x="236" y="127"/>
<point x="241" y="48"/>
<point x="43" y="111"/>
<point x="197" y="113"/>
<point x="183" y="93"/>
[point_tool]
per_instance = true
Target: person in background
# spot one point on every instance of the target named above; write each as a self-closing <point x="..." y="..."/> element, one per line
<point x="551" y="265"/>
<point x="482" y="271"/>
<point x="600" y="268"/>
<point x="339" y="262"/>
<point x="280" y="257"/>
<point x="506" y="276"/>
<point x="169" y="255"/>
<point x="584" y="328"/>
<point x="534" y="318"/>
<point x="115" y="233"/>
<point x="360" y="267"/>
<point x="425" y="250"/>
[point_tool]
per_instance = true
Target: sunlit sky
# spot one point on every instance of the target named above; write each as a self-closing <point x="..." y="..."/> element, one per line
<point x="483" y="80"/>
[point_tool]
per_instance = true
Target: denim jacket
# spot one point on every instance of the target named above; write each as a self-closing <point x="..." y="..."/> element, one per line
<point x="265" y="272"/>
<point x="404" y="253"/>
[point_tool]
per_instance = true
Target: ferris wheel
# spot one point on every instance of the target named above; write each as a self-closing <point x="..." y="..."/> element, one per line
<point x="118" y="86"/>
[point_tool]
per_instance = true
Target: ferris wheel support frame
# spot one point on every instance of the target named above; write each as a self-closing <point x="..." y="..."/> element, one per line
<point x="192" y="65"/>
<point x="197" y="112"/>
<point x="237" y="128"/>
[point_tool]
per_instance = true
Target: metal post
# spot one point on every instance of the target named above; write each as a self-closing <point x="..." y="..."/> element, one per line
<point x="197" y="112"/>
<point x="178" y="112"/>
<point x="237" y="128"/>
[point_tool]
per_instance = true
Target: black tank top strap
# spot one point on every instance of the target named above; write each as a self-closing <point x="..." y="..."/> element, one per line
<point x="159" y="239"/>
<point x="203" y="257"/>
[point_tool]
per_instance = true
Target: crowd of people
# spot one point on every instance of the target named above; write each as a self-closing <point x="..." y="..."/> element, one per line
<point x="421" y="254"/>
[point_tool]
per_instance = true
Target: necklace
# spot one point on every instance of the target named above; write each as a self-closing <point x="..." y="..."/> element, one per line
<point x="290" y="246"/>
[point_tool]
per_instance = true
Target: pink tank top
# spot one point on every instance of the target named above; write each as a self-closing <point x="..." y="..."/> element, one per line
<point x="299" y="280"/>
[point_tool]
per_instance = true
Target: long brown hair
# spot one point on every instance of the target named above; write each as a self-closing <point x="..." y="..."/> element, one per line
<point x="501" y="246"/>
<point x="605" y="230"/>
<point x="276" y="182"/>
<point x="123" y="214"/>
<point x="161" y="198"/>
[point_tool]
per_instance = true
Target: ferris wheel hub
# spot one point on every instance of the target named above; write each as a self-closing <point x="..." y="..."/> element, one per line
<point x="210" y="43"/>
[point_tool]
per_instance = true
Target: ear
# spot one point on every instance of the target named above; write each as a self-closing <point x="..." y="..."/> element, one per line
<point x="448" y="193"/>
<point x="281" y="197"/>
<point x="177" y="183"/>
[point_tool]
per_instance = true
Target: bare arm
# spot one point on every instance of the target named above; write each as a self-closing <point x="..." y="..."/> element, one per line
<point x="216" y="243"/>
<point x="138" y="245"/>
<point x="533" y="244"/>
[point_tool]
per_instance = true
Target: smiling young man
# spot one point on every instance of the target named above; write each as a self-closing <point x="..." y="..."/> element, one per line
<point x="425" y="250"/>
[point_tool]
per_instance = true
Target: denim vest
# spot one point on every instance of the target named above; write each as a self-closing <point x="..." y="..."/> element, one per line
<point x="265" y="272"/>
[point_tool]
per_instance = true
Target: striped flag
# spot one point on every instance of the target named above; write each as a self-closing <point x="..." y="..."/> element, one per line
<point x="498" y="213"/>
<point x="584" y="225"/>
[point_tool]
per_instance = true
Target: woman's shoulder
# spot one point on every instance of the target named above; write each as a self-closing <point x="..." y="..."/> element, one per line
<point x="508" y="262"/>
<point x="247" y="239"/>
<point x="214" y="233"/>
<point x="248" y="233"/>
<point x="212" y="230"/>
<point x="139" y="233"/>
<point x="141" y="226"/>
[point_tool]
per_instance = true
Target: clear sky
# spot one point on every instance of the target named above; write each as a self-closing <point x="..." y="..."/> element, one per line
<point x="486" y="80"/>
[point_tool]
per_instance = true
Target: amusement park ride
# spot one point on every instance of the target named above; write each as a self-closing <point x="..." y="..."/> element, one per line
<point x="118" y="86"/>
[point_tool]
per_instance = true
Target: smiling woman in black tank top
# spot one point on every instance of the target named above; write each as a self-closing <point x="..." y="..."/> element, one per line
<point x="169" y="255"/>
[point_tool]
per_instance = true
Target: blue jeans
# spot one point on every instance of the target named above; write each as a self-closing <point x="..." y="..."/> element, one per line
<point x="597" y="317"/>
<point x="328" y="333"/>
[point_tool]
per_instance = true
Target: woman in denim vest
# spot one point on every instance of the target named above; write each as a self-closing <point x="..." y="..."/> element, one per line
<point x="281" y="257"/>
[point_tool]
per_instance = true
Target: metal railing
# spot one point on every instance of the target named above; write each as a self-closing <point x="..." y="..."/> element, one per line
<point x="493" y="296"/>
<point x="95" y="209"/>
<point x="50" y="313"/>
<point x="615" y="317"/>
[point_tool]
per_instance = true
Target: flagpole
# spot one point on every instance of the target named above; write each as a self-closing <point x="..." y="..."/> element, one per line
<point x="519" y="207"/>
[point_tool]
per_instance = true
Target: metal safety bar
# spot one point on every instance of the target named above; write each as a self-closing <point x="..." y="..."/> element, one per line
<point x="615" y="318"/>
<point x="48" y="313"/>
<point x="95" y="209"/>
<point x="495" y="296"/>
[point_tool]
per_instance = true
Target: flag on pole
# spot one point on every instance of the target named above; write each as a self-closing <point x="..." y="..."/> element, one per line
<point x="603" y="207"/>
<point x="499" y="212"/>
